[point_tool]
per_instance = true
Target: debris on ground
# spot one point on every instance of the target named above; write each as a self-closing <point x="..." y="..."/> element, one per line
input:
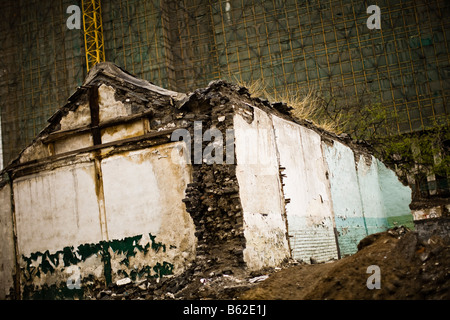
<point x="410" y="268"/>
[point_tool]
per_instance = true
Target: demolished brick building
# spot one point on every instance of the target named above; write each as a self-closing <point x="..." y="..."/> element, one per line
<point x="132" y="180"/>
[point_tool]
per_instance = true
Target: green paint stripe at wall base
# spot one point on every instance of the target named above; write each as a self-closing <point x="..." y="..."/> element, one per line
<point x="349" y="237"/>
<point x="405" y="220"/>
<point x="51" y="263"/>
<point x="350" y="233"/>
<point x="52" y="292"/>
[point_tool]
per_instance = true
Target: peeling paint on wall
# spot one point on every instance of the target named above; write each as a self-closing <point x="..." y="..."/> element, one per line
<point x="60" y="207"/>
<point x="309" y="211"/>
<point x="260" y="192"/>
<point x="396" y="198"/>
<point x="35" y="151"/>
<point x="371" y="195"/>
<point x="56" y="208"/>
<point x="109" y="107"/>
<point x="347" y="205"/>
<point x="123" y="131"/>
<point x="155" y="203"/>
<point x="73" y="143"/>
<point x="331" y="201"/>
<point x="119" y="259"/>
<point x="367" y="196"/>
<point x="79" y="117"/>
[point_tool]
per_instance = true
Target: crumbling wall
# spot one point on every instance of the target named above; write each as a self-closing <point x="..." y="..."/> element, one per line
<point x="437" y="227"/>
<point x="213" y="197"/>
<point x="371" y="196"/>
<point x="328" y="195"/>
<point x="345" y="194"/>
<point x="95" y="204"/>
<point x="111" y="193"/>
<point x="56" y="208"/>
<point x="143" y="192"/>
<point x="367" y="196"/>
<point x="306" y="190"/>
<point x="396" y="196"/>
<point x="431" y="209"/>
<point x="260" y="191"/>
<point x="59" y="217"/>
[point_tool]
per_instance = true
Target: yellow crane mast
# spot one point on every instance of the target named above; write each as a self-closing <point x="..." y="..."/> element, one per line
<point x="93" y="32"/>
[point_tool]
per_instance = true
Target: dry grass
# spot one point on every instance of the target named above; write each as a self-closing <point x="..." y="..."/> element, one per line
<point x="305" y="106"/>
<point x="256" y="88"/>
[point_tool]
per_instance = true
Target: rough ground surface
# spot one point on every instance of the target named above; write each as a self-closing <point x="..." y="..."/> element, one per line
<point x="410" y="269"/>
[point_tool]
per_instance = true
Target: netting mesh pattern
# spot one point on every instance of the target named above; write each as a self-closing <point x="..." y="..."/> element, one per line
<point x="182" y="45"/>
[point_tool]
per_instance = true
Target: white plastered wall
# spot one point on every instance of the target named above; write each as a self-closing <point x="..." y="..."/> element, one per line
<point x="56" y="208"/>
<point x="309" y="209"/>
<point x="260" y="192"/>
<point x="142" y="192"/>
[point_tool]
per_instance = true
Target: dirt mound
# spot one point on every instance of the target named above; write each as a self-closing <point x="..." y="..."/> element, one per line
<point x="409" y="269"/>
